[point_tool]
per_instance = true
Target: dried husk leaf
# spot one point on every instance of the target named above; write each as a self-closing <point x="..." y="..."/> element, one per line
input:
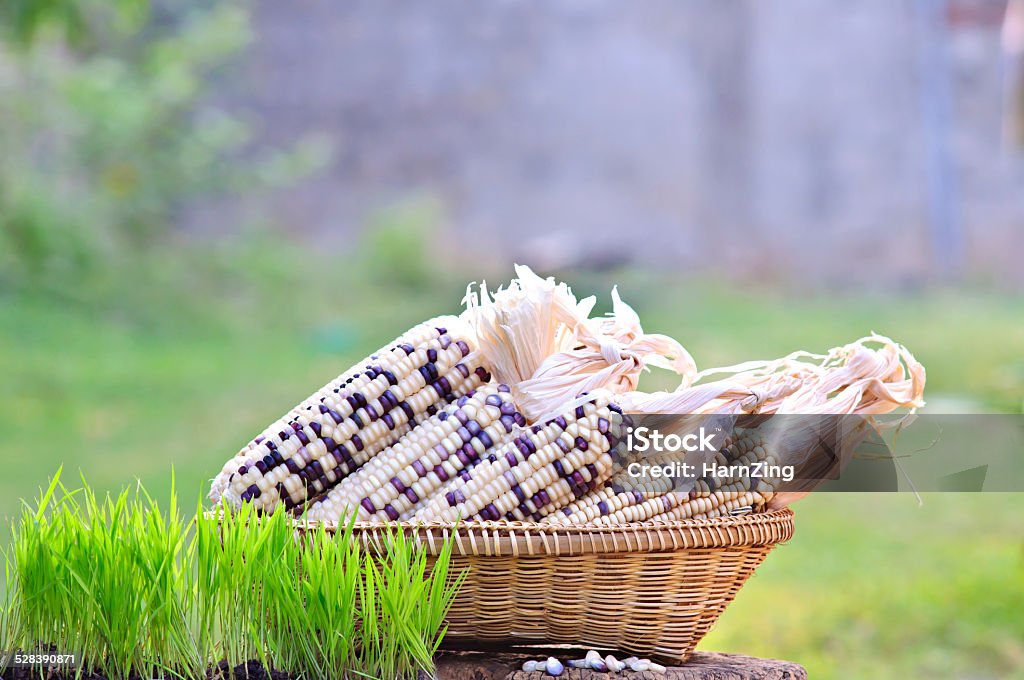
<point x="536" y="337"/>
<point x="871" y="376"/>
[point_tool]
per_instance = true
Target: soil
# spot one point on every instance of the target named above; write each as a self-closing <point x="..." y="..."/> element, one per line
<point x="252" y="670"/>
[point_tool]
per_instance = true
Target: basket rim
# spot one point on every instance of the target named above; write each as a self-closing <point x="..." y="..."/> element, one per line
<point x="514" y="539"/>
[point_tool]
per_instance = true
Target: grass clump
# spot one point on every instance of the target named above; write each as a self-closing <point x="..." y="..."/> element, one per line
<point x="404" y="626"/>
<point x="105" y="578"/>
<point x="8" y="611"/>
<point x="136" y="591"/>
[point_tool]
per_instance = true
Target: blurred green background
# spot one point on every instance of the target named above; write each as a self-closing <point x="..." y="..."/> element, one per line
<point x="130" y="346"/>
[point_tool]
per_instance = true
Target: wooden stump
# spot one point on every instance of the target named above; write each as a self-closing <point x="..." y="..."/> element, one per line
<point x="701" y="666"/>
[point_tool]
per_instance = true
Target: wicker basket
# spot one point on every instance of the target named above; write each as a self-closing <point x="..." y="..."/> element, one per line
<point x="652" y="589"/>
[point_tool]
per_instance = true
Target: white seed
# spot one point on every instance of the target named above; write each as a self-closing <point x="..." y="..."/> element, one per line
<point x="553" y="666"/>
<point x="530" y="666"/>
<point x="641" y="665"/>
<point x="595" y="662"/>
<point x="614" y="665"/>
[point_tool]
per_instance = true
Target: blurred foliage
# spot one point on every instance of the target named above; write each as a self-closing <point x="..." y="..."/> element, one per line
<point x="399" y="244"/>
<point x="110" y="130"/>
<point x="79" y="22"/>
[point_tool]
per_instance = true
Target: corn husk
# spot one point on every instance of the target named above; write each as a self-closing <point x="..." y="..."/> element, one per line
<point x="537" y="337"/>
<point x="870" y="376"/>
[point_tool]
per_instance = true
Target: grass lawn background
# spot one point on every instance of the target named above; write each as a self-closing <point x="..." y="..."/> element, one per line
<point x="178" y="360"/>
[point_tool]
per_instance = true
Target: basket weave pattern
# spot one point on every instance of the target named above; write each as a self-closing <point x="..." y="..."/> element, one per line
<point x="651" y="589"/>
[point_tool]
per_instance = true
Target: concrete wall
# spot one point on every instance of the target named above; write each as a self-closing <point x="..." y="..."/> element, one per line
<point x="792" y="138"/>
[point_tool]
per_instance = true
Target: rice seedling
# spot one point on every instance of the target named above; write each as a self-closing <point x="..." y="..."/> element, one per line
<point x="8" y="612"/>
<point x="162" y="571"/>
<point x="324" y="633"/>
<point x="231" y="562"/>
<point x="135" y="591"/>
<point x="407" y="613"/>
<point x="100" y="577"/>
<point x="39" y="592"/>
<point x="104" y="578"/>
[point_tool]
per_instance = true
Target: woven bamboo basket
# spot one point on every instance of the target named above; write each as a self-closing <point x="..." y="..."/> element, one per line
<point x="650" y="589"/>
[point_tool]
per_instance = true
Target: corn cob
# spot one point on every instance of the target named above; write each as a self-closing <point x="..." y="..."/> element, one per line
<point x="725" y="501"/>
<point x="571" y="449"/>
<point x="624" y="490"/>
<point x="352" y="418"/>
<point x="436" y="451"/>
<point x="709" y="498"/>
<point x="648" y="499"/>
<point x="604" y="501"/>
<point x="565" y="488"/>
